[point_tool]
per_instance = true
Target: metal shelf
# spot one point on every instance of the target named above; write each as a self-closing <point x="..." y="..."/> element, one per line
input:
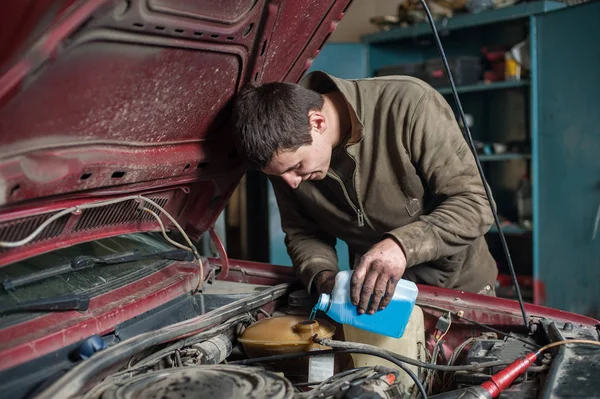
<point x="503" y="157"/>
<point x="486" y="87"/>
<point x="462" y="21"/>
<point x="511" y="229"/>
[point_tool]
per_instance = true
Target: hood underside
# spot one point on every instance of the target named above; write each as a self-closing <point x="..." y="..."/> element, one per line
<point x="103" y="99"/>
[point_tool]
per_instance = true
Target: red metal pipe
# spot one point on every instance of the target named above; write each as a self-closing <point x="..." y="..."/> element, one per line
<point x="222" y="253"/>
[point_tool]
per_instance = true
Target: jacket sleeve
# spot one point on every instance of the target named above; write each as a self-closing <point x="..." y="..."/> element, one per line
<point x="311" y="249"/>
<point x="442" y="157"/>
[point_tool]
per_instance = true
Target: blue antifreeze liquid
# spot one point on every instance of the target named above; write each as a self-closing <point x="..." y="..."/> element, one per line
<point x="313" y="314"/>
<point x="390" y="321"/>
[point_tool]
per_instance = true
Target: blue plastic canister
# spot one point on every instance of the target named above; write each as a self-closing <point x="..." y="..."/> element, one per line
<point x="390" y="321"/>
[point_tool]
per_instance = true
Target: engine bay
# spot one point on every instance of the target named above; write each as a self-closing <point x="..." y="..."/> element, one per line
<point x="254" y="341"/>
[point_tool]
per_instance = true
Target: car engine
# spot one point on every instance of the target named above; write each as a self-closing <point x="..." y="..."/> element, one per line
<point x="255" y="342"/>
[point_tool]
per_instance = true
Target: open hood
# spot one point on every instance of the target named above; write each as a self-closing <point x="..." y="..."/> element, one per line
<point x="102" y="99"/>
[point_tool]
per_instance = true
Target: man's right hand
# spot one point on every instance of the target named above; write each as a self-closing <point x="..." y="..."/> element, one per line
<point x="324" y="282"/>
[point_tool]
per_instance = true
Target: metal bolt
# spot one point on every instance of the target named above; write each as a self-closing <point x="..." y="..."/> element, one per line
<point x="547" y="358"/>
<point x="568" y="326"/>
<point x="533" y="327"/>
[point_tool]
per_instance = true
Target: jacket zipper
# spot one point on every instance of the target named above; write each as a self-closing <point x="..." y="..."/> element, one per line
<point x="359" y="214"/>
<point x="354" y="180"/>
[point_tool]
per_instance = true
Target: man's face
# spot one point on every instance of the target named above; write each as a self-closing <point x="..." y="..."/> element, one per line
<point x="309" y="162"/>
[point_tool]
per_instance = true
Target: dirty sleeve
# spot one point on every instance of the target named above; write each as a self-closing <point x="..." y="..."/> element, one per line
<point x="311" y="249"/>
<point x="444" y="161"/>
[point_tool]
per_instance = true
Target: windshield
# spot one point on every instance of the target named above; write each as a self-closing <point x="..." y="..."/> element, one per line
<point x="91" y="281"/>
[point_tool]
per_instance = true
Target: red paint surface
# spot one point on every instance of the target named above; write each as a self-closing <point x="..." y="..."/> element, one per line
<point x="143" y="92"/>
<point x="50" y="332"/>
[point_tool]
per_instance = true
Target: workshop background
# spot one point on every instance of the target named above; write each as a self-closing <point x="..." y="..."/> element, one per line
<point x="528" y="74"/>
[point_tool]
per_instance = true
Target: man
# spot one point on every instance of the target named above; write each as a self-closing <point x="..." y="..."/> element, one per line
<point x="379" y="163"/>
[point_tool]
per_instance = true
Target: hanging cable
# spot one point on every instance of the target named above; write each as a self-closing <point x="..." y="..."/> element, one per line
<point x="98" y="204"/>
<point x="164" y="232"/>
<point x="460" y="315"/>
<point x="178" y="245"/>
<point x="471" y="144"/>
<point x="366" y="350"/>
<point x="570" y="341"/>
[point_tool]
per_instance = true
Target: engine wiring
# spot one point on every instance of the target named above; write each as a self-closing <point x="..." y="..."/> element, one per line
<point x="150" y="362"/>
<point x="457" y="351"/>
<point x="98" y="204"/>
<point x="442" y="328"/>
<point x="469" y="139"/>
<point x="163" y="231"/>
<point x="566" y="342"/>
<point x="178" y="245"/>
<point x="353" y="349"/>
<point x="460" y="315"/>
<point x="344" y="379"/>
<point x="338" y="375"/>
<point x="370" y="349"/>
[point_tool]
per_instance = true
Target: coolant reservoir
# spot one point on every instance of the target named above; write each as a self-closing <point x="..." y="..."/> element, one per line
<point x="411" y="344"/>
<point x="285" y="334"/>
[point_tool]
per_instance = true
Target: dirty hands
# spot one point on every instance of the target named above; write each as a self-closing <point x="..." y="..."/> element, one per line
<point x="377" y="275"/>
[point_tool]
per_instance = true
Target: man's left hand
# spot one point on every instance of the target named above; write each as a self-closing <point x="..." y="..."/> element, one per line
<point x="377" y="275"/>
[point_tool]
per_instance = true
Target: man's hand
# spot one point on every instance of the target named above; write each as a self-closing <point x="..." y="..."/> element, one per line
<point x="324" y="282"/>
<point x="377" y="275"/>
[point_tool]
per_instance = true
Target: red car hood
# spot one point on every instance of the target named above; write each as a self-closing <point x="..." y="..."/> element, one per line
<point x="102" y="99"/>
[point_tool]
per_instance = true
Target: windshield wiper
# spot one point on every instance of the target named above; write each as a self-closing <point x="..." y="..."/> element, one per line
<point x="57" y="304"/>
<point x="85" y="262"/>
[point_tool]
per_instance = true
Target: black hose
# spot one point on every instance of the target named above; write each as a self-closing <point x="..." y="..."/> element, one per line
<point x="400" y="365"/>
<point x="386" y="356"/>
<point x="469" y="139"/>
<point x="407" y="360"/>
<point x="337" y="376"/>
<point x="353" y="346"/>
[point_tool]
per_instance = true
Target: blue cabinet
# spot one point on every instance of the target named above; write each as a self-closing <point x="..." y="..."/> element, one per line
<point x="566" y="90"/>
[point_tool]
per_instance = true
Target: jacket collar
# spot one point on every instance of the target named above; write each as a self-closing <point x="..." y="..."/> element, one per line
<point x="318" y="80"/>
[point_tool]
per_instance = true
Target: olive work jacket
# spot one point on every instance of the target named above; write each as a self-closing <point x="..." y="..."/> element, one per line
<point x="408" y="175"/>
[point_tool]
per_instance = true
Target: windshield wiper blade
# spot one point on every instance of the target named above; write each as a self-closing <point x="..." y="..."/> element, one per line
<point x="57" y="304"/>
<point x="85" y="262"/>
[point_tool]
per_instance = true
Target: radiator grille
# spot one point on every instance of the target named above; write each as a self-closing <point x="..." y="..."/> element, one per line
<point x="124" y="212"/>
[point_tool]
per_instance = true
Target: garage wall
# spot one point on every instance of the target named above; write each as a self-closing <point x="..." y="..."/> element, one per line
<point x="356" y="21"/>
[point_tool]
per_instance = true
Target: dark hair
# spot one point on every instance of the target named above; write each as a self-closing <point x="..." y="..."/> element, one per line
<point x="272" y="117"/>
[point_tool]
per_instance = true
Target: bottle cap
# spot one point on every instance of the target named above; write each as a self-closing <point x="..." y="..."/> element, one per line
<point x="324" y="302"/>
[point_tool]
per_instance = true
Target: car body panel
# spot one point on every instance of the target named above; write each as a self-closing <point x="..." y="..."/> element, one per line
<point x="133" y="97"/>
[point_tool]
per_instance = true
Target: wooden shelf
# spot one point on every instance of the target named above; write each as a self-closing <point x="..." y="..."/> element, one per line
<point x="486" y="87"/>
<point x="462" y="21"/>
